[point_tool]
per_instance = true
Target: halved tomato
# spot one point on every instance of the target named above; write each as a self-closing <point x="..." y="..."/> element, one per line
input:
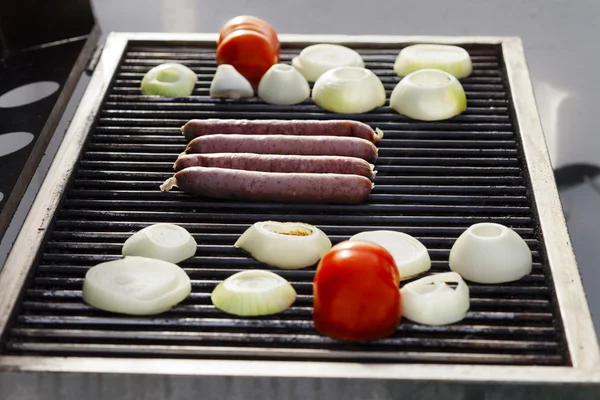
<point x="249" y="44"/>
<point x="249" y="52"/>
<point x="247" y="22"/>
<point x="356" y="294"/>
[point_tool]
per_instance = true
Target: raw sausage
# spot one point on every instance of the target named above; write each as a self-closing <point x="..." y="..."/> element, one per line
<point x="278" y="163"/>
<point x="221" y="183"/>
<point x="285" y="144"/>
<point x="202" y="127"/>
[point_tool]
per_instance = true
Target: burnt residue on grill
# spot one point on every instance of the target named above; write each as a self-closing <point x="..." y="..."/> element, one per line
<point x="434" y="180"/>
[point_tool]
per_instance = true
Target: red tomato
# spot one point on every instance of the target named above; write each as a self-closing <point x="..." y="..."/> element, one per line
<point x="247" y="22"/>
<point x="356" y="294"/>
<point x="250" y="45"/>
<point x="249" y="52"/>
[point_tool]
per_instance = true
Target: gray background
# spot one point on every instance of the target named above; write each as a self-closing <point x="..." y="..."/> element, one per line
<point x="561" y="45"/>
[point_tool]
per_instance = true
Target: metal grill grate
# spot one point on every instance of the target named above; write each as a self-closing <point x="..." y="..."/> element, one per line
<point x="434" y="180"/>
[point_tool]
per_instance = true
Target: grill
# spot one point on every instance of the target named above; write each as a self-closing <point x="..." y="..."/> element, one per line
<point x="434" y="180"/>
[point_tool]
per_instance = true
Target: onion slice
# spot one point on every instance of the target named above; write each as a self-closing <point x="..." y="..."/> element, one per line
<point x="169" y="80"/>
<point x="283" y="85"/>
<point x="490" y="253"/>
<point x="429" y="95"/>
<point x="252" y="293"/>
<point x="136" y="286"/>
<point x="451" y="59"/>
<point x="432" y="301"/>
<point x="410" y="256"/>
<point x="285" y="245"/>
<point x="349" y="90"/>
<point x="229" y="83"/>
<point x="317" y="59"/>
<point x="166" y="242"/>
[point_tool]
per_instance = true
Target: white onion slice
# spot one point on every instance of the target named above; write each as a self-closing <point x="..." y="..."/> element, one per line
<point x="431" y="301"/>
<point x="253" y="293"/>
<point x="166" y="242"/>
<point x="429" y="95"/>
<point x="490" y="253"/>
<point x="286" y="245"/>
<point x="136" y="286"/>
<point x="410" y="256"/>
<point x="451" y="59"/>
<point x="283" y="84"/>
<point x="169" y="80"/>
<point x="317" y="59"/>
<point x="349" y="90"/>
<point x="229" y="83"/>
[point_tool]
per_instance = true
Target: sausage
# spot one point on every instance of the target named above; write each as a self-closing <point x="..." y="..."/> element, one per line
<point x="278" y="163"/>
<point x="202" y="127"/>
<point x="221" y="183"/>
<point x="285" y="144"/>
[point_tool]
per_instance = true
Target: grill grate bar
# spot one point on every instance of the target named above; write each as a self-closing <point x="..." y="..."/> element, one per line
<point x="239" y="228"/>
<point x="531" y="319"/>
<point x="292" y="325"/>
<point x="406" y="199"/>
<point x="118" y="238"/>
<point x="379" y="208"/>
<point x="311" y="219"/>
<point x="107" y="335"/>
<point x="440" y="210"/>
<point x="237" y="352"/>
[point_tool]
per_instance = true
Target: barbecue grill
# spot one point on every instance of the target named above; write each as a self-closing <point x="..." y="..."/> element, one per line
<point x="531" y="338"/>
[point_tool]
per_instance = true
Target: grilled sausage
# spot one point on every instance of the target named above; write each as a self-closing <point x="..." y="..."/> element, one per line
<point x="278" y="163"/>
<point x="221" y="183"/>
<point x="285" y="144"/>
<point x="202" y="127"/>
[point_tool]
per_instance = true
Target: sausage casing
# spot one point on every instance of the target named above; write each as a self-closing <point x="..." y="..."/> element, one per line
<point x="202" y="127"/>
<point x="278" y="163"/>
<point x="221" y="183"/>
<point x="285" y="144"/>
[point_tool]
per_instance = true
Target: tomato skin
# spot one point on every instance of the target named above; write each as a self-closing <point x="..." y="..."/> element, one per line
<point x="356" y="294"/>
<point x="249" y="52"/>
<point x="249" y="44"/>
<point x="247" y="22"/>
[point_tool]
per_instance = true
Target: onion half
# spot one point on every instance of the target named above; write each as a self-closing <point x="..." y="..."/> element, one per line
<point x="349" y="90"/>
<point x="253" y="293"/>
<point x="135" y="286"/>
<point x="431" y="301"/>
<point x="286" y="245"/>
<point x="166" y="242"/>
<point x="451" y="59"/>
<point x="410" y="256"/>
<point x="283" y="85"/>
<point x="490" y="253"/>
<point x="317" y="59"/>
<point x="229" y="83"/>
<point x="169" y="80"/>
<point x="429" y="95"/>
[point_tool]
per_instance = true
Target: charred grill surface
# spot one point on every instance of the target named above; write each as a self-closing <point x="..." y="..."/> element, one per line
<point x="433" y="181"/>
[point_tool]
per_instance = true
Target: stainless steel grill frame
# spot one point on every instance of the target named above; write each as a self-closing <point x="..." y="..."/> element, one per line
<point x="170" y="378"/>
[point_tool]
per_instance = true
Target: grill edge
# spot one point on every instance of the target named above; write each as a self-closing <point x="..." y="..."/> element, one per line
<point x="533" y="172"/>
